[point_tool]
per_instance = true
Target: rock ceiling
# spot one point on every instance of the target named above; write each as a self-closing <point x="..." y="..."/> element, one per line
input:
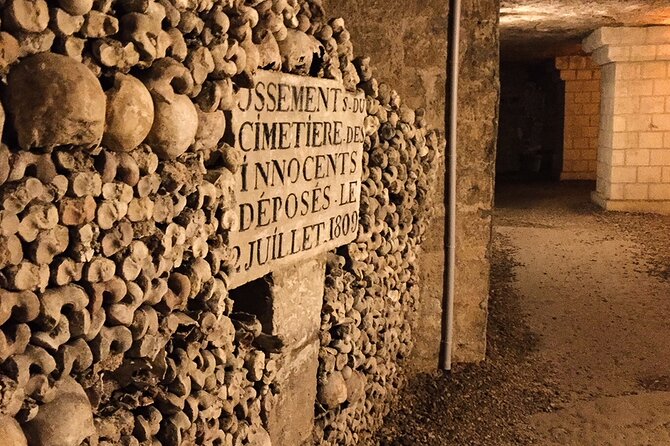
<point x="536" y="29"/>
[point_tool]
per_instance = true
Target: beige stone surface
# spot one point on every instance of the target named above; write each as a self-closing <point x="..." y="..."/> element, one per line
<point x="393" y="34"/>
<point x="635" y="120"/>
<point x="298" y="189"/>
<point x="297" y="297"/>
<point x="291" y="418"/>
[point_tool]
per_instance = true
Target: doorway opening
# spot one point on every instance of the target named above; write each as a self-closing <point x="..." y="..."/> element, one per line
<point x="530" y="139"/>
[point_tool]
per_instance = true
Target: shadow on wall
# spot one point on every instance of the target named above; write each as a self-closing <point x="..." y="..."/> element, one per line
<point x="530" y="138"/>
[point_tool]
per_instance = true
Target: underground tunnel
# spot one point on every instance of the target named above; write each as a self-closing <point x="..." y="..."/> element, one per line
<point x="271" y="222"/>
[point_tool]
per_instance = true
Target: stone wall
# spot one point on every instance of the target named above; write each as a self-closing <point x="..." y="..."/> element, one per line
<point x="394" y="34"/>
<point x="479" y="95"/>
<point x="582" y="117"/>
<point x="634" y="143"/>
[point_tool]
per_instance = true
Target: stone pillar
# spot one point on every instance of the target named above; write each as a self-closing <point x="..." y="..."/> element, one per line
<point x="296" y="300"/>
<point x="634" y="143"/>
<point x="288" y="304"/>
<point x="478" y="99"/>
<point x="582" y="117"/>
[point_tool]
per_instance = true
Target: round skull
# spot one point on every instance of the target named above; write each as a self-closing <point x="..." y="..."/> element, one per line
<point x="130" y="114"/>
<point x="54" y="100"/>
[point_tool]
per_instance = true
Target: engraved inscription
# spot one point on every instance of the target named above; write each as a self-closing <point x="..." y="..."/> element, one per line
<point x="300" y="180"/>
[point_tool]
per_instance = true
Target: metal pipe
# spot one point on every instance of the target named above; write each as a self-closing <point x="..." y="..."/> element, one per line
<point x="453" y="64"/>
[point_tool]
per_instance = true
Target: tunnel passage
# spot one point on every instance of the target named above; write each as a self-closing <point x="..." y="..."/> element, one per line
<point x="614" y="65"/>
<point x="530" y="137"/>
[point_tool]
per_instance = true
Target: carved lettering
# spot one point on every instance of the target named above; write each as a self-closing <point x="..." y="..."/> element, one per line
<point x="300" y="180"/>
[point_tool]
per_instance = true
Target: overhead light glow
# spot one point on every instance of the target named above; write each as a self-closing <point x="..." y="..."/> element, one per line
<point x="630" y="13"/>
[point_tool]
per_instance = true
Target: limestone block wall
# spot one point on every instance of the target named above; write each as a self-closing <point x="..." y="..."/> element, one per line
<point x="634" y="143"/>
<point x="582" y="117"/>
<point x="478" y="99"/>
<point x="116" y="321"/>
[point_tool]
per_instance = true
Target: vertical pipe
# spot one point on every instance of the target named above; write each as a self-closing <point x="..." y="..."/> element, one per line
<point x="450" y="181"/>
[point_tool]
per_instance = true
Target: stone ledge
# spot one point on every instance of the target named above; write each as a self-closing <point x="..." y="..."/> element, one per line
<point x="626" y="36"/>
<point x="643" y="206"/>
<point x="578" y="176"/>
<point x="637" y="53"/>
<point x="629" y="44"/>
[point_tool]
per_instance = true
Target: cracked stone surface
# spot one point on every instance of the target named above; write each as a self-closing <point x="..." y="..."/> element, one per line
<point x="536" y="29"/>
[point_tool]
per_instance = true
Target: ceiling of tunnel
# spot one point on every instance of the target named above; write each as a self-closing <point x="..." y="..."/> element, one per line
<point x="537" y="29"/>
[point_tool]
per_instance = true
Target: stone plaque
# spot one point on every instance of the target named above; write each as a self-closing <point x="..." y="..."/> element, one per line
<point x="300" y="180"/>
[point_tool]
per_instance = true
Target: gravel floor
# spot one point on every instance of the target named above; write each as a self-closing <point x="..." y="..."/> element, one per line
<point x="578" y="318"/>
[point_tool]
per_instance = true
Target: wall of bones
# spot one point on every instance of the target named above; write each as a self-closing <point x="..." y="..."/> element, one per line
<point x="116" y="201"/>
<point x="372" y="284"/>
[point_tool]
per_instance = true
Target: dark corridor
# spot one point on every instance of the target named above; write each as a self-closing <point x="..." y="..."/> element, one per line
<point x="530" y="138"/>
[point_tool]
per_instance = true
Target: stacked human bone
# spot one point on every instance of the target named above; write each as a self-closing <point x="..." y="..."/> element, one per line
<point x="116" y="200"/>
<point x="372" y="284"/>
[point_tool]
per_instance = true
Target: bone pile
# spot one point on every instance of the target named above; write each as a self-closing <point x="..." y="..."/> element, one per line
<point x="116" y="200"/>
<point x="372" y="284"/>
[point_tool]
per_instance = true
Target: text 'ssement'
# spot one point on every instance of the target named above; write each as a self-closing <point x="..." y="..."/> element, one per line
<point x="300" y="180"/>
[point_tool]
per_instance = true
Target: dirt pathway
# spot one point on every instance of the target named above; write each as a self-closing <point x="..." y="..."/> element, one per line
<point x="579" y="341"/>
<point x="586" y="287"/>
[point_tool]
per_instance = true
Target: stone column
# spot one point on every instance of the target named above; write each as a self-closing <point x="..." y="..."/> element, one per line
<point x="582" y="117"/>
<point x="634" y="143"/>
<point x="288" y="304"/>
<point x="295" y="309"/>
